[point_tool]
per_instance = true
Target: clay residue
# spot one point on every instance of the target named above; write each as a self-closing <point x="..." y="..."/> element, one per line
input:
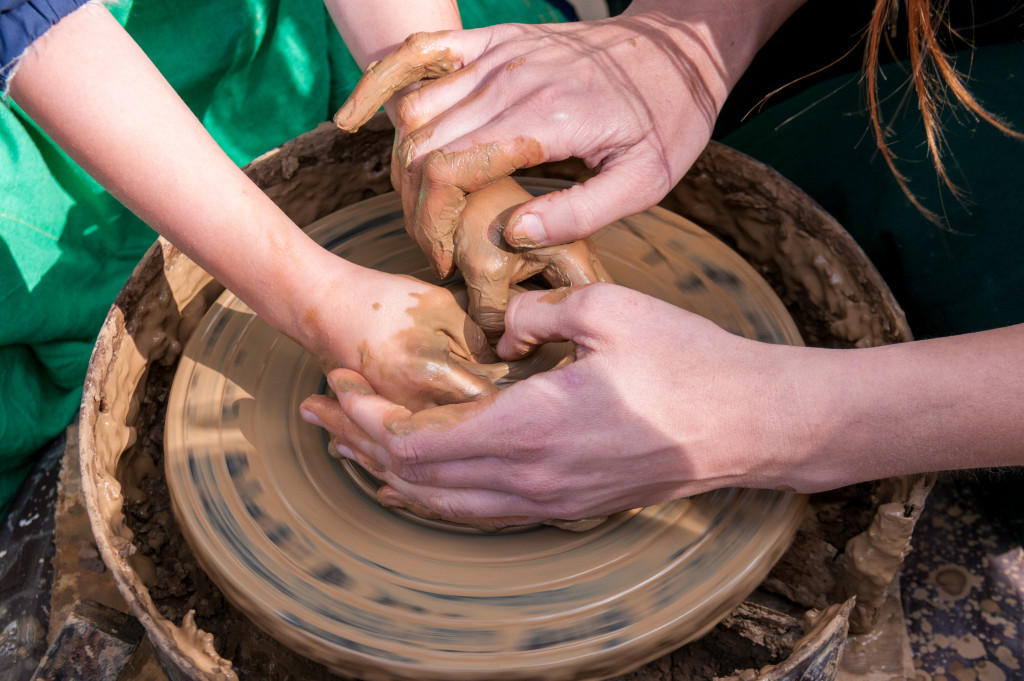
<point x="954" y="582"/>
<point x="884" y="652"/>
<point x="292" y="175"/>
<point x="142" y="333"/>
<point x="871" y="559"/>
<point x="490" y="266"/>
<point x="418" y="58"/>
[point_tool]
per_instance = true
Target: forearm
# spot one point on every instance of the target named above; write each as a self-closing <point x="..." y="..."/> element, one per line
<point x="728" y="33"/>
<point x="373" y="29"/>
<point x="942" y="404"/>
<point x="100" y="98"/>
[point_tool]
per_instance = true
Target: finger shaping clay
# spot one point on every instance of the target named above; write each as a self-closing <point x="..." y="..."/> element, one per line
<point x="288" y="536"/>
<point x="490" y="266"/>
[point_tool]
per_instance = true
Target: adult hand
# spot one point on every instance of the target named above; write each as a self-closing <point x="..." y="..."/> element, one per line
<point x="659" y="404"/>
<point x="409" y="339"/>
<point x="473" y="239"/>
<point x="635" y="96"/>
<point x="491" y="267"/>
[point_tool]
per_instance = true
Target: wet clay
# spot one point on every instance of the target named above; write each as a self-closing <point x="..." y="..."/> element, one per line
<point x="459" y="229"/>
<point x="872" y="559"/>
<point x="321" y="171"/>
<point x="490" y="266"/>
<point x="370" y="594"/>
<point x="149" y="340"/>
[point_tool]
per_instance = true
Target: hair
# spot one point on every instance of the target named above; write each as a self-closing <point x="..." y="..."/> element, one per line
<point x="933" y="74"/>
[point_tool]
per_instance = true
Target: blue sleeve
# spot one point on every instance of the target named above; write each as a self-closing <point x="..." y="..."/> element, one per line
<point x="21" y="22"/>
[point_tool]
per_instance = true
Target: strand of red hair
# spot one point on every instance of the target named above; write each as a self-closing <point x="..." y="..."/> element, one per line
<point x="933" y="73"/>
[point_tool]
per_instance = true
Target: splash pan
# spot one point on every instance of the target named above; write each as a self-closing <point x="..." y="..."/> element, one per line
<point x="289" y="537"/>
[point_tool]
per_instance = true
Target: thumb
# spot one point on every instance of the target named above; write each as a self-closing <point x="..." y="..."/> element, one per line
<point x="538" y="317"/>
<point x="579" y="211"/>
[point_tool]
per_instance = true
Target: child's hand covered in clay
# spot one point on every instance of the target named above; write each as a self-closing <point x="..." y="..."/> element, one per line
<point x="466" y="231"/>
<point x="405" y="336"/>
<point x="156" y="157"/>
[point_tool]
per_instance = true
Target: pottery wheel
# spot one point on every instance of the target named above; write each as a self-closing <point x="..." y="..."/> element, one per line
<point x="291" y="540"/>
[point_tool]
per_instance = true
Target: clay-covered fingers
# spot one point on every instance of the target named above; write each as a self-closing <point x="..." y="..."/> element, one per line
<point x="444" y="179"/>
<point x="572" y="264"/>
<point x="534" y="318"/>
<point x="392" y="498"/>
<point x="465" y="338"/>
<point x="422" y="56"/>
<point x="438" y="383"/>
<point x="488" y="299"/>
<point x="419" y="364"/>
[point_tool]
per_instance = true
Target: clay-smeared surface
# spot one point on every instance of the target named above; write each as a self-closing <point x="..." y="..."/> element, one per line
<point x="490" y="266"/>
<point x="739" y="200"/>
<point x="279" y="525"/>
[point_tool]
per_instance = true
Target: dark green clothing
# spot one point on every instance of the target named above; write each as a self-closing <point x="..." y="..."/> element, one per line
<point x="963" y="276"/>
<point x="257" y="73"/>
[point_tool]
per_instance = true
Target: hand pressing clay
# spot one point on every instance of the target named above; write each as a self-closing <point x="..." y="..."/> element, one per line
<point x="490" y="266"/>
<point x="469" y="236"/>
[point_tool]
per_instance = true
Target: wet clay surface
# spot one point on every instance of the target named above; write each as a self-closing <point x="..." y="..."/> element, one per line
<point x="955" y="546"/>
<point x="277" y="524"/>
<point x="490" y="266"/>
<point x="324" y="170"/>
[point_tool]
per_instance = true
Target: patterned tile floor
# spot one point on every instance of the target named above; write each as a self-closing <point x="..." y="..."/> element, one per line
<point x="963" y="590"/>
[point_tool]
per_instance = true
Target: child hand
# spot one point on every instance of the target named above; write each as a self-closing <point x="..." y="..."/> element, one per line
<point x="403" y="335"/>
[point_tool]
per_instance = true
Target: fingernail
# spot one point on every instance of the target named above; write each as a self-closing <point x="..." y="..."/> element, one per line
<point x="343" y="385"/>
<point x="343" y="113"/>
<point x="526" y="231"/>
<point x="310" y="417"/>
<point x="342" y="450"/>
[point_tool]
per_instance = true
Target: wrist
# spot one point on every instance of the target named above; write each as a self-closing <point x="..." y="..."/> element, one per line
<point x="310" y="289"/>
<point x="730" y="32"/>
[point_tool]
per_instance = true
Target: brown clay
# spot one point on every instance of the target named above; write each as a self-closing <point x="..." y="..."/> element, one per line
<point x="322" y="171"/>
<point x="369" y="593"/>
<point x="490" y="266"/>
<point x="459" y="229"/>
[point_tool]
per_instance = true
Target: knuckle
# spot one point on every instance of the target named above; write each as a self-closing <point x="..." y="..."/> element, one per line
<point x="581" y="208"/>
<point x="541" y="487"/>
<point x="418" y="41"/>
<point x="405" y="455"/>
<point x="448" y="506"/>
<point x="436" y="168"/>
<point x="407" y="112"/>
<point x="590" y="300"/>
<point x="414" y="474"/>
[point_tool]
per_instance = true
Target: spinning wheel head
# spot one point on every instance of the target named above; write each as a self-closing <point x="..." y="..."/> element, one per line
<point x="289" y="537"/>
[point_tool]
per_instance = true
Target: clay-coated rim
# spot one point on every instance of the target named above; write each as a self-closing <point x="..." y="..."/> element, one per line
<point x="288" y="537"/>
<point x="294" y="168"/>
